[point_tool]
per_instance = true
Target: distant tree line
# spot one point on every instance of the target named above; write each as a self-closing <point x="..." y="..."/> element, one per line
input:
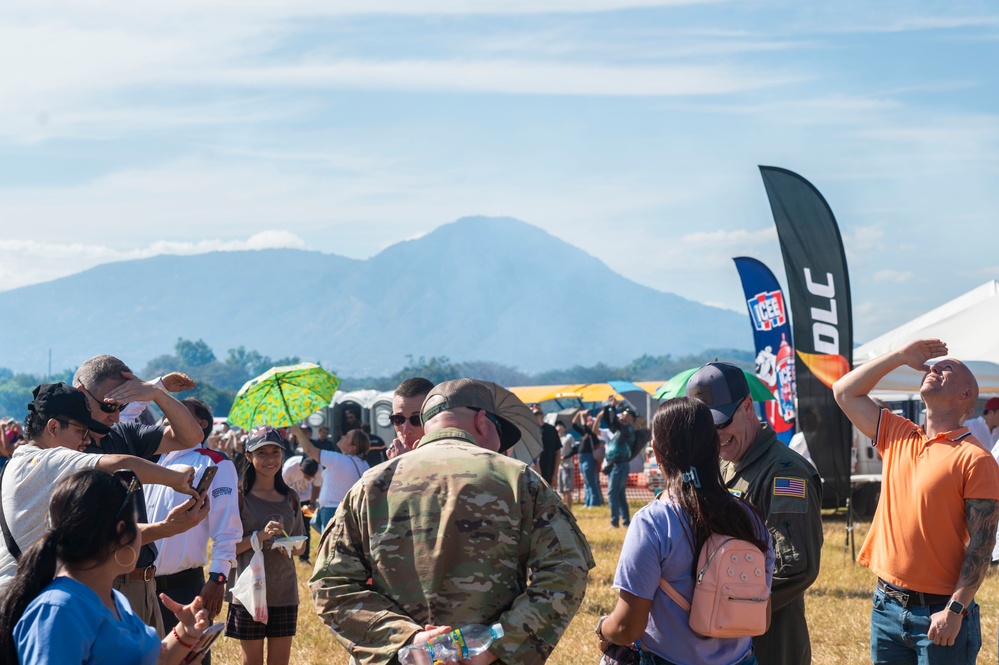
<point x="220" y="380"/>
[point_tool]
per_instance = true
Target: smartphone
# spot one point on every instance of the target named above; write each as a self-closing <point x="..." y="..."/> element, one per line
<point x="208" y="638"/>
<point x="206" y="479"/>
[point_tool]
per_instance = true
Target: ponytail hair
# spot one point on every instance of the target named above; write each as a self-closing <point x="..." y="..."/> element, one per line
<point x="77" y="534"/>
<point x="686" y="445"/>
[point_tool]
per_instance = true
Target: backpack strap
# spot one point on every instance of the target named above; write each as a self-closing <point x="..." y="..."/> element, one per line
<point x="12" y="547"/>
<point x="674" y="594"/>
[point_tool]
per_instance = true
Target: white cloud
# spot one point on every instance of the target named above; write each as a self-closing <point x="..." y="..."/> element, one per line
<point x="893" y="276"/>
<point x="31" y="261"/>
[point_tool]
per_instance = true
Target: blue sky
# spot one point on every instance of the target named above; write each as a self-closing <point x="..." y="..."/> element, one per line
<point x="631" y="129"/>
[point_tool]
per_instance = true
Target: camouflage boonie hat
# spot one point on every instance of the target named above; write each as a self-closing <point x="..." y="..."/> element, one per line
<point x="471" y="394"/>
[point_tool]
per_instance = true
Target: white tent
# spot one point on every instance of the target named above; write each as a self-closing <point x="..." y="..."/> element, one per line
<point x="969" y="325"/>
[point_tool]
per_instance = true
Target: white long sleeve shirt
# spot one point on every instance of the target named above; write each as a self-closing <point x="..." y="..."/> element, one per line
<point x="223" y="524"/>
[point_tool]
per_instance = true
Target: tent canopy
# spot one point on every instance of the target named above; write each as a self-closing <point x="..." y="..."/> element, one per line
<point x="586" y="392"/>
<point x="967" y="324"/>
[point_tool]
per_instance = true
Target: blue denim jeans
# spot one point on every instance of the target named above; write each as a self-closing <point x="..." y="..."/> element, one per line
<point x="649" y="658"/>
<point x="592" y="496"/>
<point x="616" y="492"/>
<point x="898" y="635"/>
<point x="323" y="517"/>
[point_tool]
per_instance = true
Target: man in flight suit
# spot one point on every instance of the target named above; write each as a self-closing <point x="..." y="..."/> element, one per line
<point x="785" y="488"/>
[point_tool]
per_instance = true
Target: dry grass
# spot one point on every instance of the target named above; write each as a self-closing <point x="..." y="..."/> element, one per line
<point x="838" y="605"/>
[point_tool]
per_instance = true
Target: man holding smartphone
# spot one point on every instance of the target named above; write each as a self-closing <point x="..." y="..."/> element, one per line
<point x="182" y="558"/>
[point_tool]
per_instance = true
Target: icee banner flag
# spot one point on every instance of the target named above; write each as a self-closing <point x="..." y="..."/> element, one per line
<point x="821" y="317"/>
<point x="768" y="314"/>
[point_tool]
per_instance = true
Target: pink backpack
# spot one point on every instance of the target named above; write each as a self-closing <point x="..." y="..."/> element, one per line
<point x="730" y="592"/>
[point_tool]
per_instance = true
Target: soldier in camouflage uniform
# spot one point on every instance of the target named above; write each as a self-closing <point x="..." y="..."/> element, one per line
<point x="787" y="490"/>
<point x="452" y="534"/>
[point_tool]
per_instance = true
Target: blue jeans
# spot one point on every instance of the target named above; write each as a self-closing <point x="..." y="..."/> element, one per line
<point x="649" y="658"/>
<point x="324" y="516"/>
<point x="898" y="635"/>
<point x="592" y="496"/>
<point x="616" y="486"/>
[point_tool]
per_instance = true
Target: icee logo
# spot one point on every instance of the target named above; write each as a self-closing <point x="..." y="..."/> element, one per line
<point x="767" y="309"/>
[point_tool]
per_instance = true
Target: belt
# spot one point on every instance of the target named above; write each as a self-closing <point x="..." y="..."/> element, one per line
<point x="144" y="574"/>
<point x="909" y="598"/>
<point x="179" y="579"/>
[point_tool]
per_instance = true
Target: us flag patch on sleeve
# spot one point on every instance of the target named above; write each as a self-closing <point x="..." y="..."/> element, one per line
<point x="784" y="486"/>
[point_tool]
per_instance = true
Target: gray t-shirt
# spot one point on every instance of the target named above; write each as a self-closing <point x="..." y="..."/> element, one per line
<point x="28" y="483"/>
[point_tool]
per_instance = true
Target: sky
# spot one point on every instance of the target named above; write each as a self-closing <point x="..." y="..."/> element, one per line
<point x="631" y="129"/>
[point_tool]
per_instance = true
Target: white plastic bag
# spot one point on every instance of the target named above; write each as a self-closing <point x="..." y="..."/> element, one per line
<point x="250" y="588"/>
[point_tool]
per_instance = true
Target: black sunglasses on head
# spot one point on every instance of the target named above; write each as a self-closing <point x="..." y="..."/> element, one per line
<point x="493" y="419"/>
<point x="105" y="407"/>
<point x="131" y="482"/>
<point x="398" y="419"/>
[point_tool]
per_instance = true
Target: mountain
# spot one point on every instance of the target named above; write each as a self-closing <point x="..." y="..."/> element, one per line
<point x="477" y="289"/>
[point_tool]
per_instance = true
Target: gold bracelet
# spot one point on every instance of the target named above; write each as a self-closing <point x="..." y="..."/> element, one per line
<point x="600" y="622"/>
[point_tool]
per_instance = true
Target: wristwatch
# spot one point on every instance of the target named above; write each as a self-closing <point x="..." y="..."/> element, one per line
<point x="218" y="578"/>
<point x="600" y="623"/>
<point x="955" y="607"/>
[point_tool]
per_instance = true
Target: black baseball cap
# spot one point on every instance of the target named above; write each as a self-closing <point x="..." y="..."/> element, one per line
<point x="57" y="400"/>
<point x="722" y="386"/>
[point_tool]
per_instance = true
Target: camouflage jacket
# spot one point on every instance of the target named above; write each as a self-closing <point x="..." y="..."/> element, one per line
<point x="450" y="534"/>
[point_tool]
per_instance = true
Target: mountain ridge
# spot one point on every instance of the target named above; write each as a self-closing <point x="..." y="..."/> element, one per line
<point x="479" y="288"/>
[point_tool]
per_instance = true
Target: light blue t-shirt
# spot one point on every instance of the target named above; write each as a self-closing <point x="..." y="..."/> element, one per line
<point x="658" y="545"/>
<point x="68" y="624"/>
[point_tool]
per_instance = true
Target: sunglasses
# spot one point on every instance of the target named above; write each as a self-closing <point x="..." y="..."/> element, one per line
<point x="84" y="435"/>
<point x="731" y="418"/>
<point x="131" y="483"/>
<point x="105" y="407"/>
<point x="493" y="419"/>
<point x="398" y="419"/>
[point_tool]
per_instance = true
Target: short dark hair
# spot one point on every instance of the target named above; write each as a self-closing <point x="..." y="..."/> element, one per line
<point x="559" y="422"/>
<point x="201" y="411"/>
<point x="415" y="387"/>
<point x="310" y="467"/>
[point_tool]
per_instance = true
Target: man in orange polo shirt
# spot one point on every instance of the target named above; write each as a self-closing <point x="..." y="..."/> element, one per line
<point x="931" y="540"/>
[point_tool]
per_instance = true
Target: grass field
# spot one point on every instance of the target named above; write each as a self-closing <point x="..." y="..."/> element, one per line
<point x="838" y="605"/>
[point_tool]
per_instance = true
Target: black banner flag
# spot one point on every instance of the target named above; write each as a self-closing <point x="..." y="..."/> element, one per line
<point x="821" y="320"/>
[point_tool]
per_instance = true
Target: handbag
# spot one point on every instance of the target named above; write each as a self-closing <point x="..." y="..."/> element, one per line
<point x="617" y="654"/>
<point x="251" y="586"/>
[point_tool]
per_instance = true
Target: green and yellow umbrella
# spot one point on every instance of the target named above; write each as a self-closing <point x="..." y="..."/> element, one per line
<point x="283" y="396"/>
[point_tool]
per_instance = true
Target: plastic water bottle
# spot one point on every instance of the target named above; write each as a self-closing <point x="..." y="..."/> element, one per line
<point x="459" y="644"/>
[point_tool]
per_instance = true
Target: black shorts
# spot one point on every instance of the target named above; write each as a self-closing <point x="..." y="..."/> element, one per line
<point x="281" y="622"/>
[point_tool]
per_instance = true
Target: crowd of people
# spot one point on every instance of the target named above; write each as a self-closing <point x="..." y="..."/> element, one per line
<point x="122" y="540"/>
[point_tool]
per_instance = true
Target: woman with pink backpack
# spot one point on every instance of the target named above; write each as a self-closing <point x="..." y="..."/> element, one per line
<point x="695" y="563"/>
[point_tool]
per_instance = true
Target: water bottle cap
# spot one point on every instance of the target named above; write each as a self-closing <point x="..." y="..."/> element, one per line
<point x="497" y="630"/>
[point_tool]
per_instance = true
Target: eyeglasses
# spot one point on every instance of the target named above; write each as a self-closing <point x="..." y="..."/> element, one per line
<point x="398" y="419"/>
<point x="85" y="435"/>
<point x="105" y="407"/>
<point x="493" y="419"/>
<point x="131" y="483"/>
<point x="731" y="418"/>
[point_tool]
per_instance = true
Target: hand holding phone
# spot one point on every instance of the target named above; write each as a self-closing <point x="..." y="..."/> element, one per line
<point x="206" y="479"/>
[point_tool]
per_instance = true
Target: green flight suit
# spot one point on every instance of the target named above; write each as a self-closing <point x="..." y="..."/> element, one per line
<point x="787" y="490"/>
<point x="450" y="534"/>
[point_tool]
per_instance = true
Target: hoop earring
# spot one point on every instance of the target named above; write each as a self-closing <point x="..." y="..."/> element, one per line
<point x="135" y="557"/>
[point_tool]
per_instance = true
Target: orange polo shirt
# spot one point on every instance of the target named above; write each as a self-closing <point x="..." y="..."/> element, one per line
<point x="919" y="534"/>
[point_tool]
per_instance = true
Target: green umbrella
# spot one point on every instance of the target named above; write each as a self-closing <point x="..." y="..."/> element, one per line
<point x="283" y="396"/>
<point x="677" y="386"/>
